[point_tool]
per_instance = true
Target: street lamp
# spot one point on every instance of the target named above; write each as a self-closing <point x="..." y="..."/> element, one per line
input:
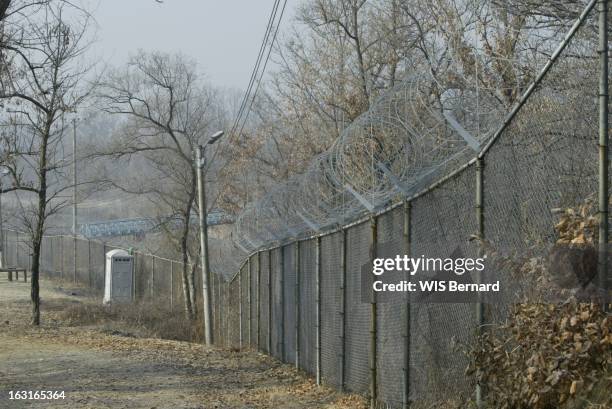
<point x="3" y="172"/>
<point x="206" y="296"/>
<point x="74" y="196"/>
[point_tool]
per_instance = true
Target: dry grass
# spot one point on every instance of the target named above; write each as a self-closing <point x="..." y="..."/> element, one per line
<point x="143" y="319"/>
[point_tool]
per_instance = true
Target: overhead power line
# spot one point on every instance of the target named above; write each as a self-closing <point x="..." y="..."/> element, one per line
<point x="259" y="68"/>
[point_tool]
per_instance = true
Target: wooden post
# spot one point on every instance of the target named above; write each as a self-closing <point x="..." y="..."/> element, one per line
<point x="373" y="320"/>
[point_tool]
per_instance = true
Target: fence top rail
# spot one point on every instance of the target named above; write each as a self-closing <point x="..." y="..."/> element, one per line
<point x="362" y="219"/>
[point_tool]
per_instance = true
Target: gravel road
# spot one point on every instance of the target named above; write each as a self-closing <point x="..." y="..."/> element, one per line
<point x="98" y="368"/>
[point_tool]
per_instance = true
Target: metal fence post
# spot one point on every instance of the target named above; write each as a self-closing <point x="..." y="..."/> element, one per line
<point x="269" y="346"/>
<point x="282" y="305"/>
<point x="318" y="305"/>
<point x="104" y="271"/>
<point x="135" y="267"/>
<point x="240" y="307"/>
<point x="89" y="277"/>
<point x="407" y="230"/>
<point x="604" y="161"/>
<point x="249" y="302"/>
<point x="61" y="256"/>
<point x="297" y="305"/>
<point x="74" y="258"/>
<point x="343" y="257"/>
<point x="171" y="286"/>
<point x="258" y="299"/>
<point x="480" y="221"/>
<point x="151" y="290"/>
<point x="373" y="319"/>
<point x="227" y="320"/>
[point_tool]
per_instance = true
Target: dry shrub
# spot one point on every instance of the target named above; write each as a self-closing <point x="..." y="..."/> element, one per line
<point x="577" y="226"/>
<point x="550" y="355"/>
<point x="547" y="356"/>
<point x="139" y="319"/>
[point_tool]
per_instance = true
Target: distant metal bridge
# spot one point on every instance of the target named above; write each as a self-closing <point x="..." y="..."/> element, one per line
<point x="141" y="226"/>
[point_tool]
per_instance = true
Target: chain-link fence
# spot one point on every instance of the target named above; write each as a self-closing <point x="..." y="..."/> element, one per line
<point x="155" y="278"/>
<point x="544" y="156"/>
<point x="302" y="301"/>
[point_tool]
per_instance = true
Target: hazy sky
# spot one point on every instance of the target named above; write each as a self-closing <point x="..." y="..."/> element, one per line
<point x="223" y="36"/>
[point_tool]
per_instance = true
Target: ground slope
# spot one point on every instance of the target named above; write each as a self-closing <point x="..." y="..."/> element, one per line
<point x="98" y="368"/>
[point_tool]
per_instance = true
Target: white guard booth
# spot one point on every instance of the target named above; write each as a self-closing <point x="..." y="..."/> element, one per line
<point x="118" y="276"/>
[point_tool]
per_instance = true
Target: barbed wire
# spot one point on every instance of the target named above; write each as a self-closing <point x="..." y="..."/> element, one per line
<point x="408" y="136"/>
<point x="424" y="127"/>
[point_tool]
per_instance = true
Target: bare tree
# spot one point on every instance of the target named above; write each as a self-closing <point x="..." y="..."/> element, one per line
<point x="46" y="82"/>
<point x="169" y="113"/>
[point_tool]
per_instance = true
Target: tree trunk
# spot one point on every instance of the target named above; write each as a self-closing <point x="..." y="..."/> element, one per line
<point x="187" y="286"/>
<point x="35" y="287"/>
<point x="4" y="5"/>
<point x="194" y="301"/>
<point x="37" y="232"/>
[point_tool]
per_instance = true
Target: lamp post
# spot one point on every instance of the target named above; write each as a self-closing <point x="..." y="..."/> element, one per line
<point x="206" y="296"/>
<point x="3" y="172"/>
<point x="74" y="197"/>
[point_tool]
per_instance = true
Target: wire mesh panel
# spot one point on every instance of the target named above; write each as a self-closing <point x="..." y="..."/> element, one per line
<point x="216" y="307"/>
<point x="67" y="257"/>
<point x="264" y="300"/>
<point x="244" y="283"/>
<point x="442" y="222"/>
<point x="179" y="282"/>
<point x="83" y="274"/>
<point x="162" y="285"/>
<point x="45" y="256"/>
<point x="233" y="322"/>
<point x="545" y="159"/>
<point x="141" y="278"/>
<point x="307" y="325"/>
<point x="357" y="312"/>
<point x="254" y="263"/>
<point x="97" y="262"/>
<point x="277" y="299"/>
<point x="221" y="310"/>
<point x="290" y="301"/>
<point x="331" y="308"/>
<point x="10" y="248"/>
<point x="391" y="309"/>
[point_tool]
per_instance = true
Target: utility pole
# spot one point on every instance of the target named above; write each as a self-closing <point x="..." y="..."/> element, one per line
<point x="74" y="198"/>
<point x="206" y="295"/>
<point x="1" y="228"/>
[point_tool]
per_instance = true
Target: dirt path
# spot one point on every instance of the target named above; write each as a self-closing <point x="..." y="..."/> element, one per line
<point x="101" y="370"/>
